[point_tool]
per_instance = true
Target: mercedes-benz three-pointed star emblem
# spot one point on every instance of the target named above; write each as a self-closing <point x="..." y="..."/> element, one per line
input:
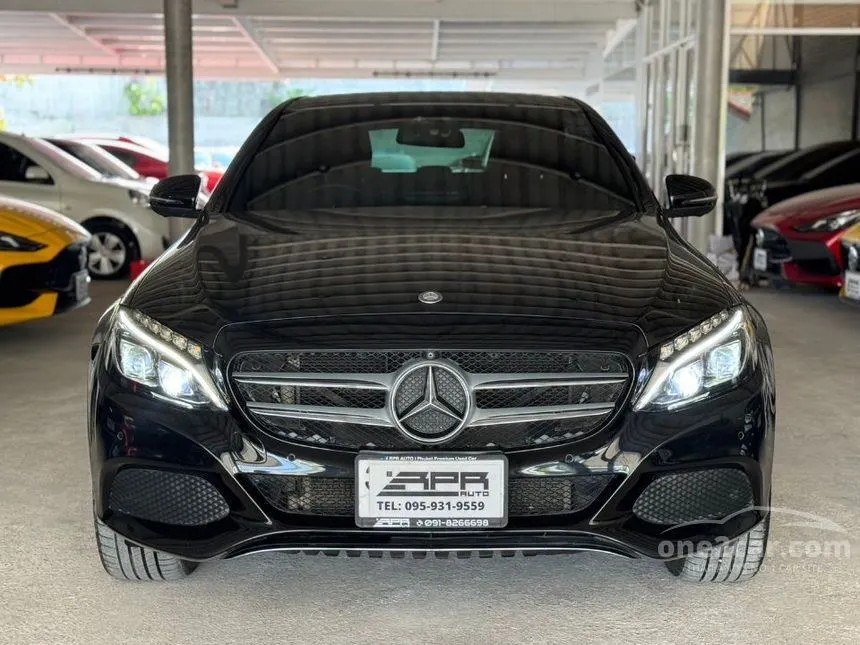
<point x="430" y="401"/>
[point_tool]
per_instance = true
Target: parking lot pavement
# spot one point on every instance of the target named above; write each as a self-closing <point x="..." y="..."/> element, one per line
<point x="52" y="588"/>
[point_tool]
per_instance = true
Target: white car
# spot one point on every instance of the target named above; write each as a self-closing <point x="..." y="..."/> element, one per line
<point x="115" y="211"/>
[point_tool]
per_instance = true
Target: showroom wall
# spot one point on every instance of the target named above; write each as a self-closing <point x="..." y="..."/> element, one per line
<point x="827" y="95"/>
<point x="225" y="111"/>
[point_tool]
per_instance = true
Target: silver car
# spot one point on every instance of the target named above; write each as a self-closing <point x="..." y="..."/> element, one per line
<point x="116" y="211"/>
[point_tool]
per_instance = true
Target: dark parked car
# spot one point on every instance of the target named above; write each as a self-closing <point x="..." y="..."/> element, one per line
<point x="749" y="165"/>
<point x="432" y="323"/>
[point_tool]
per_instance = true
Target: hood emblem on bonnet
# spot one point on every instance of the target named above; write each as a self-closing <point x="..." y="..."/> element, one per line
<point x="430" y="297"/>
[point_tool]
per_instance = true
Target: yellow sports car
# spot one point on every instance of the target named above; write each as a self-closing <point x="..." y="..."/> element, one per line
<point x="851" y="254"/>
<point x="43" y="262"/>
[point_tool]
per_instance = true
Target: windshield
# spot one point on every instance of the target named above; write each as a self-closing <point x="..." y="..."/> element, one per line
<point x="96" y="158"/>
<point x="65" y="161"/>
<point x="375" y="157"/>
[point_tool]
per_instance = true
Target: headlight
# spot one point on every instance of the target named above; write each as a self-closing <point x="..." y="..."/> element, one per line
<point x="9" y="242"/>
<point x="167" y="363"/>
<point x="708" y="357"/>
<point x="831" y="223"/>
<point x="853" y="257"/>
<point x="138" y="198"/>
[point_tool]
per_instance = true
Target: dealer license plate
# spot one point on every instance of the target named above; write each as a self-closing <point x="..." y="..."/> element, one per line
<point x="435" y="491"/>
<point x="852" y="285"/>
<point x="82" y="285"/>
<point x="760" y="259"/>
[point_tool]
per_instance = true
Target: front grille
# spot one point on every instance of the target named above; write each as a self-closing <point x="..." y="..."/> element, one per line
<point x="342" y="399"/>
<point x="166" y="497"/>
<point x="814" y="257"/>
<point x="823" y="266"/>
<point x="527" y="496"/>
<point x="694" y="496"/>
<point x="565" y="395"/>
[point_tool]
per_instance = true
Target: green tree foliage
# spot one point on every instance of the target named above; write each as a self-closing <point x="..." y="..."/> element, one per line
<point x="20" y="80"/>
<point x="144" y="98"/>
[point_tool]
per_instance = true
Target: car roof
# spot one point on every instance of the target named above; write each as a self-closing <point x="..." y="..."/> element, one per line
<point x="839" y="147"/>
<point x="425" y="98"/>
<point x="11" y="136"/>
<point x="124" y="145"/>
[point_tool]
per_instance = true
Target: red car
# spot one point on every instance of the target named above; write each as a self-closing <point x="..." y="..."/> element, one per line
<point x="148" y="161"/>
<point x="798" y="239"/>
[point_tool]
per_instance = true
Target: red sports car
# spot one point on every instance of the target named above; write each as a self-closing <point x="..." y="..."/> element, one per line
<point x="798" y="240"/>
<point x="150" y="162"/>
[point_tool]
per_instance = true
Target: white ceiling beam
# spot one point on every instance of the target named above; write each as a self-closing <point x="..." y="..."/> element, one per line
<point x="243" y="28"/>
<point x="622" y="30"/>
<point x="434" y="44"/>
<point x="95" y="42"/>
<point x="795" y="31"/>
<point x="34" y="64"/>
<point x="585" y="11"/>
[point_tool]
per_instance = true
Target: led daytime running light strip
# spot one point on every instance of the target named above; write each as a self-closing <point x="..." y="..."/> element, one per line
<point x="182" y="343"/>
<point x="690" y="337"/>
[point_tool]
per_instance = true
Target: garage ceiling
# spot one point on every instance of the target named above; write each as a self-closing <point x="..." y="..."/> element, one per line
<point x="319" y="38"/>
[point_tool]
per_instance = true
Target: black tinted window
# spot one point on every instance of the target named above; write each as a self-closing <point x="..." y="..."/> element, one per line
<point x="432" y="154"/>
<point x="13" y="164"/>
<point x="128" y="158"/>
<point x="96" y="158"/>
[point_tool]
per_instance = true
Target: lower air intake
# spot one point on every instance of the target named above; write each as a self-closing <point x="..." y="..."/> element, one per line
<point x="527" y="496"/>
<point x="166" y="497"/>
<point x="694" y="496"/>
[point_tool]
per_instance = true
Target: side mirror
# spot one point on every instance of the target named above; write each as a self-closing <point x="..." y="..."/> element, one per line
<point x="689" y="196"/>
<point x="37" y="175"/>
<point x="176" y="196"/>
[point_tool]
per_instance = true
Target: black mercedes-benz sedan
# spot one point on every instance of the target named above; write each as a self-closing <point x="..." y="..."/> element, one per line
<point x="444" y="324"/>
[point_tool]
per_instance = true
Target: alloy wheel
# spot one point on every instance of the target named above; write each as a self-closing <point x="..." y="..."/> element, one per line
<point x="107" y="254"/>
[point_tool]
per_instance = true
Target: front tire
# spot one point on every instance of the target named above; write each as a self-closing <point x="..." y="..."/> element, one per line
<point x="127" y="561"/>
<point x="112" y="250"/>
<point x="737" y="561"/>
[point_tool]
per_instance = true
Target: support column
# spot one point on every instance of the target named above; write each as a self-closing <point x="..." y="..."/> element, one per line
<point x="712" y="78"/>
<point x="179" y="69"/>
<point x="643" y="37"/>
<point x="658" y="163"/>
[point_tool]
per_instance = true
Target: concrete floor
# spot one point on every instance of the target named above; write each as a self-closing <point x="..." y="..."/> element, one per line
<point x="53" y="590"/>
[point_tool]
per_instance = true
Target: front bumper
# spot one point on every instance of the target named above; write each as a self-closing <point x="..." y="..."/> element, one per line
<point x="129" y="430"/>
<point x="45" y="285"/>
<point x="809" y="260"/>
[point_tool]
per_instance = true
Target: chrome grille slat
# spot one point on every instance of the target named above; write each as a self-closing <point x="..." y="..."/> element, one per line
<point x="498" y="416"/>
<point x="384" y="381"/>
<point x="505" y="381"/>
<point x="357" y="381"/>
<point x="552" y="396"/>
<point x="361" y="416"/>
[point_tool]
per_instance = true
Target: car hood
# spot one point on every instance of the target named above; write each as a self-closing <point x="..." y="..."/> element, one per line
<point x="810" y="206"/>
<point x="26" y="220"/>
<point x="303" y="272"/>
